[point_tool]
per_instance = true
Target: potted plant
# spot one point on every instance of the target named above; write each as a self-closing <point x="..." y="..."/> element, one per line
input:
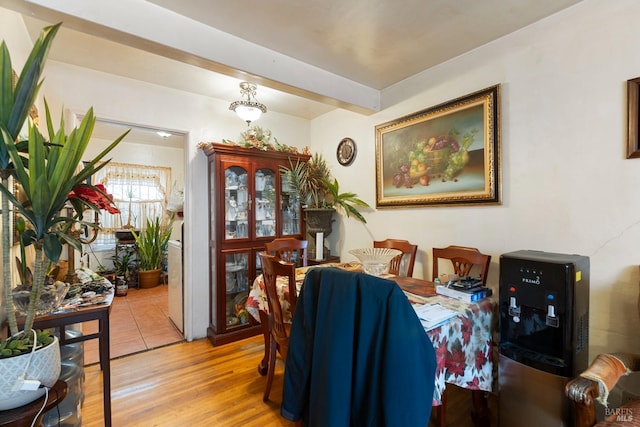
<point x="123" y="265"/>
<point x="49" y="179"/>
<point x="320" y="196"/>
<point x="152" y="244"/>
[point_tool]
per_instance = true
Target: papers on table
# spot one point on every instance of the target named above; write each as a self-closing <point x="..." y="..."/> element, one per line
<point x="433" y="315"/>
<point x="415" y="298"/>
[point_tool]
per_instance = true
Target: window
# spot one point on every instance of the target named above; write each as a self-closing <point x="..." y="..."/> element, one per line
<point x="140" y="192"/>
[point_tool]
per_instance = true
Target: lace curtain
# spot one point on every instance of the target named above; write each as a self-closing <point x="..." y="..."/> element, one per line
<point x="140" y="192"/>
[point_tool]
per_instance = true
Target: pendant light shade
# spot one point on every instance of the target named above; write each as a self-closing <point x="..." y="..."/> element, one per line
<point x="248" y="108"/>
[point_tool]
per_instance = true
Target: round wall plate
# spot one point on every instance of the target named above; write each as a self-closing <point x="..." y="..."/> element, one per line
<point x="346" y="151"/>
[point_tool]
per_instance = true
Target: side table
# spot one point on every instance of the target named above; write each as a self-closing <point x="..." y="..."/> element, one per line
<point x="100" y="312"/>
<point x="24" y="415"/>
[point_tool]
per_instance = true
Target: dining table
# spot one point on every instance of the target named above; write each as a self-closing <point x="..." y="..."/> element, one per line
<point x="463" y="344"/>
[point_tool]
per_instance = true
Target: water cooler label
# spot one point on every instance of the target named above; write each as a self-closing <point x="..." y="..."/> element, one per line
<point x="578" y="276"/>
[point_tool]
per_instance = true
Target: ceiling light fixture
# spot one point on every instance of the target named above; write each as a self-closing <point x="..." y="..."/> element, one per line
<point x="248" y="108"/>
<point x="163" y="134"/>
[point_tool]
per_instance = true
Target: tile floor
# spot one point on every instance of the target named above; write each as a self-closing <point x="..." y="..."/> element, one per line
<point x="139" y="321"/>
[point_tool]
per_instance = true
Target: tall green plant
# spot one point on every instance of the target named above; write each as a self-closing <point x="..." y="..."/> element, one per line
<point x="15" y="103"/>
<point x="47" y="185"/>
<point x="152" y="243"/>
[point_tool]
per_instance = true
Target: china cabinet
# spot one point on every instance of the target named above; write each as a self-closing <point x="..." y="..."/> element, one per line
<point x="249" y="204"/>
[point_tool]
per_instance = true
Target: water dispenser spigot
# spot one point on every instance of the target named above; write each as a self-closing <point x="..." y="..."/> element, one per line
<point x="514" y="309"/>
<point x="552" y="319"/>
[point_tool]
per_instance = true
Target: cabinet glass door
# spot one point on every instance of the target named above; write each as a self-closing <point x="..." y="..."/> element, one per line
<point x="258" y="263"/>
<point x="236" y="274"/>
<point x="236" y="196"/>
<point x="290" y="209"/>
<point x="265" y="203"/>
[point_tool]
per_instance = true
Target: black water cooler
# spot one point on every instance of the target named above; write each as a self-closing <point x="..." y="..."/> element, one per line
<point x="544" y="335"/>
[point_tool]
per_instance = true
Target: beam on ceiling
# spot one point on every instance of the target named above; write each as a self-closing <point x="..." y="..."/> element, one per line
<point x="146" y="26"/>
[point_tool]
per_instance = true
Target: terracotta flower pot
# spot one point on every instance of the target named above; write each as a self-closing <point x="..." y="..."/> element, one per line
<point x="149" y="278"/>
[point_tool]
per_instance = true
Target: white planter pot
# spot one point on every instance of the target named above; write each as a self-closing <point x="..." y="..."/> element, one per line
<point x="44" y="367"/>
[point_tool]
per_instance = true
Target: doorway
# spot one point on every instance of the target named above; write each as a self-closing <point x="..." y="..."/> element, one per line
<point x="145" y="146"/>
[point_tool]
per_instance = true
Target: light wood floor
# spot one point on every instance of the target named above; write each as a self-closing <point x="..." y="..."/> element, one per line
<point x="195" y="384"/>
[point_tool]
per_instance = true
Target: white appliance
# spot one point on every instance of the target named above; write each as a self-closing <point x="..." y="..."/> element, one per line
<point x="176" y="294"/>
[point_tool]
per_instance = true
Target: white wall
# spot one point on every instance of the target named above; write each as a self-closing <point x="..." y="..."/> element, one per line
<point x="567" y="186"/>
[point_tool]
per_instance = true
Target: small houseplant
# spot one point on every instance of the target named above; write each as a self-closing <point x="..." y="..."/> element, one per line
<point x="46" y="172"/>
<point x="123" y="265"/>
<point x="152" y="244"/>
<point x="320" y="196"/>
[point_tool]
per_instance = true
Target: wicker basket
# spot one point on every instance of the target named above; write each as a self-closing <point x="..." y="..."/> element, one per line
<point x="437" y="160"/>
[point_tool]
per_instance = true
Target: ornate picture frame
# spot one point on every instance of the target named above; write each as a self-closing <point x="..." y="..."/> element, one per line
<point x="633" y="118"/>
<point x="444" y="155"/>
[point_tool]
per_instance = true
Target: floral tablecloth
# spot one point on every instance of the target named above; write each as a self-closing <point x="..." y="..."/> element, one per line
<point x="463" y="345"/>
<point x="257" y="300"/>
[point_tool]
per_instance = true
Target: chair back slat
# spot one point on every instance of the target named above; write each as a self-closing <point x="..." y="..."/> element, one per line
<point x="402" y="265"/>
<point x="463" y="260"/>
<point x="289" y="249"/>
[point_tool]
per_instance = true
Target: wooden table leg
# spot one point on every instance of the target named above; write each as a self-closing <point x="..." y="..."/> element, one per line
<point x="480" y="413"/>
<point x="105" y="364"/>
<point x="264" y="363"/>
<point x="439" y="412"/>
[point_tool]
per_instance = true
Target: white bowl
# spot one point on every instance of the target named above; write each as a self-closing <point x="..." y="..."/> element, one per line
<point x="375" y="261"/>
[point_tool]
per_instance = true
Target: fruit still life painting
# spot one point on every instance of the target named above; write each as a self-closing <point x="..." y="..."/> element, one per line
<point x="446" y="154"/>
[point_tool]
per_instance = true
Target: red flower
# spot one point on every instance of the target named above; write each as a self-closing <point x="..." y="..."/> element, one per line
<point x="474" y="384"/>
<point x="481" y="359"/>
<point x="456" y="365"/>
<point x="467" y="329"/>
<point x="442" y="355"/>
<point x="251" y="302"/>
<point x="95" y="196"/>
<point x="434" y="334"/>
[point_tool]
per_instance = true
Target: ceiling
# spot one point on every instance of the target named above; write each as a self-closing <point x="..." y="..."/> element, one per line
<point x="323" y="53"/>
<point x="375" y="43"/>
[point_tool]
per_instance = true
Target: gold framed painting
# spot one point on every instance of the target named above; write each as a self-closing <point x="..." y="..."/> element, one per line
<point x="444" y="155"/>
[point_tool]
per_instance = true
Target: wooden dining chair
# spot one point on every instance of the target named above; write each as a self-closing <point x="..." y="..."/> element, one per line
<point x="289" y="249"/>
<point x="402" y="265"/>
<point x="272" y="268"/>
<point x="463" y="259"/>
